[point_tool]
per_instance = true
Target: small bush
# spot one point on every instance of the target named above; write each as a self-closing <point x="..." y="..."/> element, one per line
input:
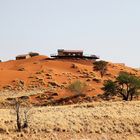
<point x="77" y="86"/>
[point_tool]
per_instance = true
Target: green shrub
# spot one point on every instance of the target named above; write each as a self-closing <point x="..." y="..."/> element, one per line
<point x="100" y="66"/>
<point x="77" y="87"/>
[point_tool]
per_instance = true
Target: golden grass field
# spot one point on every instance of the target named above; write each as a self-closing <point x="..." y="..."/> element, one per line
<point x="89" y="121"/>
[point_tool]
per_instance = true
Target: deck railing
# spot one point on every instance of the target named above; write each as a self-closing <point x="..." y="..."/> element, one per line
<point x="84" y="55"/>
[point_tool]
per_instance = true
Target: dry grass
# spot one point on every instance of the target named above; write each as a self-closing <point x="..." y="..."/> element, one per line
<point x="100" y="120"/>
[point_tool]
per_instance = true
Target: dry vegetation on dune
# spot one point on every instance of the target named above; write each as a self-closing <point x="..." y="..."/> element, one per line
<point x="99" y="120"/>
<point x="44" y="76"/>
<point x="39" y="71"/>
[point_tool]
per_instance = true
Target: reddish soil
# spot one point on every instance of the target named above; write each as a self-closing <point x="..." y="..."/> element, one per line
<point x="55" y="75"/>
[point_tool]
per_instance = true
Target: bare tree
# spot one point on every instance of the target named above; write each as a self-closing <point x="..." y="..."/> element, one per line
<point x="21" y="110"/>
<point x="17" y="110"/>
<point x="26" y="118"/>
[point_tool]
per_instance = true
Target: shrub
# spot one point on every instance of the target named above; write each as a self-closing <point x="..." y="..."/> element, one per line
<point x="77" y="86"/>
<point x="110" y="89"/>
<point x="100" y="66"/>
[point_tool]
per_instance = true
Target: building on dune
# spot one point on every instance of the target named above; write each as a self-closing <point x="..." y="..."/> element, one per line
<point x="62" y="52"/>
<point x="65" y="54"/>
<point x="26" y="56"/>
<point x="32" y="54"/>
<point x="23" y="56"/>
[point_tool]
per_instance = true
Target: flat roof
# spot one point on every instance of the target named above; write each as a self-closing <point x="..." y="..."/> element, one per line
<point x="73" y="51"/>
<point x="22" y="55"/>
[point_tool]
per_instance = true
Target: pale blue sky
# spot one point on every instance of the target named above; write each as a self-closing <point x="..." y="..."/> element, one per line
<point x="108" y="28"/>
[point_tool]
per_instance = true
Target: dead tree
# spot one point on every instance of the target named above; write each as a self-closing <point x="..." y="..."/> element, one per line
<point x="22" y="114"/>
<point x="17" y="111"/>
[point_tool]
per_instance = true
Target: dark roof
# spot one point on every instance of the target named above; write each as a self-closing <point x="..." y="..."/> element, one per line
<point x="33" y="53"/>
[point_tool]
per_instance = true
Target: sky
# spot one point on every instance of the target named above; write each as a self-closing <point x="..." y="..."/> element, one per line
<point x="107" y="28"/>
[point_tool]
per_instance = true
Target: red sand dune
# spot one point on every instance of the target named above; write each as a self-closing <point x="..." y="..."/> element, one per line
<point x="39" y="71"/>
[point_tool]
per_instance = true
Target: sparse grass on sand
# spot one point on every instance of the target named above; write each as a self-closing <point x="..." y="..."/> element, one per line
<point x="92" y="121"/>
